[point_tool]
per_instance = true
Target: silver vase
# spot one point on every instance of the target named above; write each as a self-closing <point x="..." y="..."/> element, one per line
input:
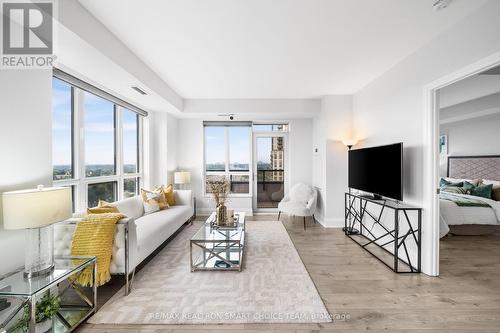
<point x="221" y="215"/>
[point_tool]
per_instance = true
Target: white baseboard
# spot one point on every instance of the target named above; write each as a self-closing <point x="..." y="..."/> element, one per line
<point x="332" y="222"/>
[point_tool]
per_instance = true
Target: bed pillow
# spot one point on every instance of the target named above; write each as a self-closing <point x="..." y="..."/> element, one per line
<point x="483" y="191"/>
<point x="495" y="192"/>
<point x="453" y="189"/>
<point x="468" y="187"/>
<point x="443" y="182"/>
<point x="458" y="180"/>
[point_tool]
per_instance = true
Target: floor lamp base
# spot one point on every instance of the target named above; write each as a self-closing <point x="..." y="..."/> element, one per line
<point x="350" y="231"/>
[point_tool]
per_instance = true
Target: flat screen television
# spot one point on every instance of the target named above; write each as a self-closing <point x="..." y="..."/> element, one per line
<point x="377" y="170"/>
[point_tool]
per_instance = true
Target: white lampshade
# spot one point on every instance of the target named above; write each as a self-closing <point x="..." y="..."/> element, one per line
<point x="182" y="177"/>
<point x="349" y="142"/>
<point x="36" y="208"/>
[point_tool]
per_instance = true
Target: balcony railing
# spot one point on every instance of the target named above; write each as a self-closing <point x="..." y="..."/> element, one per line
<point x="270" y="188"/>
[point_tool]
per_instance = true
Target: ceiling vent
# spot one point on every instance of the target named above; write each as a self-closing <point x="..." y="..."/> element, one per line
<point x="440" y="5"/>
<point x="139" y="90"/>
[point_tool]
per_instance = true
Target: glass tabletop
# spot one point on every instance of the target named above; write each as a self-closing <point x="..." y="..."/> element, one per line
<point x="207" y="233"/>
<point x="15" y="284"/>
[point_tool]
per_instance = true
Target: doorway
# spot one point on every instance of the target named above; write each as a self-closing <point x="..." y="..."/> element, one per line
<point x="431" y="162"/>
<point x="270" y="170"/>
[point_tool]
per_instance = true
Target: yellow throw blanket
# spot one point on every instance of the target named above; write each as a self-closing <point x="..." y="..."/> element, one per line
<point x="94" y="236"/>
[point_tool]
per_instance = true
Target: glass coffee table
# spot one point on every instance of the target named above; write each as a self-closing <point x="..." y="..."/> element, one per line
<point x="218" y="249"/>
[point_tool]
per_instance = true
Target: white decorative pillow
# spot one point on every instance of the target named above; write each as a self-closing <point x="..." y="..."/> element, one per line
<point x="151" y="201"/>
<point x="301" y="193"/>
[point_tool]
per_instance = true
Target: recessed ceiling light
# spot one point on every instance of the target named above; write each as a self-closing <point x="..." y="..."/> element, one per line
<point x="139" y="90"/>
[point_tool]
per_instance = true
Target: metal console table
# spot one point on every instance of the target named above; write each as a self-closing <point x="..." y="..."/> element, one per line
<point x="21" y="294"/>
<point x="388" y="240"/>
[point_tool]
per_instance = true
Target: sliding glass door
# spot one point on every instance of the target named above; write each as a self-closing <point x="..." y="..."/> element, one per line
<point x="270" y="164"/>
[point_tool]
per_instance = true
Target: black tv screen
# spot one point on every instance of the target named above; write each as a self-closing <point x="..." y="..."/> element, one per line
<point x="377" y="170"/>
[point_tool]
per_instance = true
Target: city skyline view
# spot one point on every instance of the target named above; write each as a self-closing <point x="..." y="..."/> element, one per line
<point x="99" y="129"/>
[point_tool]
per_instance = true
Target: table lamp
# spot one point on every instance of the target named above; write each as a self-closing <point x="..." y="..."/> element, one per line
<point x="36" y="210"/>
<point x="182" y="178"/>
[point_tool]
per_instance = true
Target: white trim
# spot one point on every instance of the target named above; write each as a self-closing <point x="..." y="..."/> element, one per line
<point x="331" y="222"/>
<point x="431" y="152"/>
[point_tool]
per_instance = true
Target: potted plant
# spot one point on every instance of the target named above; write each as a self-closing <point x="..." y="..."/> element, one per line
<point x="46" y="309"/>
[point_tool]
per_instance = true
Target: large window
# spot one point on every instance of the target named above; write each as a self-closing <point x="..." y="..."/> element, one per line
<point x="96" y="146"/>
<point x="100" y="120"/>
<point x="130" y="134"/>
<point x="227" y="154"/>
<point x="62" y="130"/>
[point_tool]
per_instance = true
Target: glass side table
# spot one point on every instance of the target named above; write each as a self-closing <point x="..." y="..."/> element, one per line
<point x="19" y="295"/>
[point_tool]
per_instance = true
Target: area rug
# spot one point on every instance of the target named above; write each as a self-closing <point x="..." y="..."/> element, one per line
<point x="273" y="287"/>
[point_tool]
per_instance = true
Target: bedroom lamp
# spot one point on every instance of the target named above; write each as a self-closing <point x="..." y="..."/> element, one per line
<point x="349" y="142"/>
<point x="36" y="210"/>
<point x="182" y="178"/>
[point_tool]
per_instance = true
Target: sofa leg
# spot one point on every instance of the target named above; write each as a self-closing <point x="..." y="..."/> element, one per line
<point x="279" y="214"/>
<point x="314" y="219"/>
<point x="304" y="223"/>
<point x="129" y="282"/>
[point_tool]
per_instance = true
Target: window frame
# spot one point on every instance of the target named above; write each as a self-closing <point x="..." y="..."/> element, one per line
<point x="227" y="173"/>
<point x="79" y="181"/>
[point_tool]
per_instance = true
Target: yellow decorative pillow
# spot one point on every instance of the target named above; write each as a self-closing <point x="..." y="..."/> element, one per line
<point x="103" y="203"/>
<point x="169" y="194"/>
<point x="102" y="210"/>
<point x="153" y="200"/>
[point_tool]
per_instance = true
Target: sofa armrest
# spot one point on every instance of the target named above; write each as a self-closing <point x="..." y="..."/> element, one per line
<point x="184" y="197"/>
<point x="125" y="242"/>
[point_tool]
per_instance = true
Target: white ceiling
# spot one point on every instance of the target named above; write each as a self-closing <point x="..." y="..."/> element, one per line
<point x="273" y="48"/>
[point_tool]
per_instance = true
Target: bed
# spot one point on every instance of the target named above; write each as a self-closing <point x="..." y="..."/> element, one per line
<point x="482" y="216"/>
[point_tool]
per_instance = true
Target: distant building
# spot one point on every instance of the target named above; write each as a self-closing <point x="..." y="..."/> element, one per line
<point x="277" y="158"/>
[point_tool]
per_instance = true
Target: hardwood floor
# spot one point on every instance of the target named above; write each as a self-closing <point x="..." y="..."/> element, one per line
<point x="465" y="298"/>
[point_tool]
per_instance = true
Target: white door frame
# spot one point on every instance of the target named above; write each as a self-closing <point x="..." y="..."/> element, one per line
<point x="431" y="151"/>
<point x="286" y="167"/>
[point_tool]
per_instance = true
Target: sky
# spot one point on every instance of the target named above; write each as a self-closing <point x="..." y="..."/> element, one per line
<point x="239" y="141"/>
<point x="99" y="128"/>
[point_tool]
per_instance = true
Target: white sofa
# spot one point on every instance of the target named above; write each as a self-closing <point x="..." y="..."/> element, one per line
<point x="137" y="236"/>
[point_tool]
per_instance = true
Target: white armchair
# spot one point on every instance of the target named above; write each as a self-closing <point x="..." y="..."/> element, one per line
<point x="301" y="201"/>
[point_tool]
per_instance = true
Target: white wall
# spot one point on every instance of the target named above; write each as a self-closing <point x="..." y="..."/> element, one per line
<point x="479" y="136"/>
<point x="390" y="109"/>
<point x="330" y="126"/>
<point x="468" y="89"/>
<point x="190" y="157"/>
<point x="26" y="141"/>
<point x="163" y="147"/>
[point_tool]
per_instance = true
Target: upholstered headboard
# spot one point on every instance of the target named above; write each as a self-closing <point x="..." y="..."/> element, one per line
<point x="474" y="167"/>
